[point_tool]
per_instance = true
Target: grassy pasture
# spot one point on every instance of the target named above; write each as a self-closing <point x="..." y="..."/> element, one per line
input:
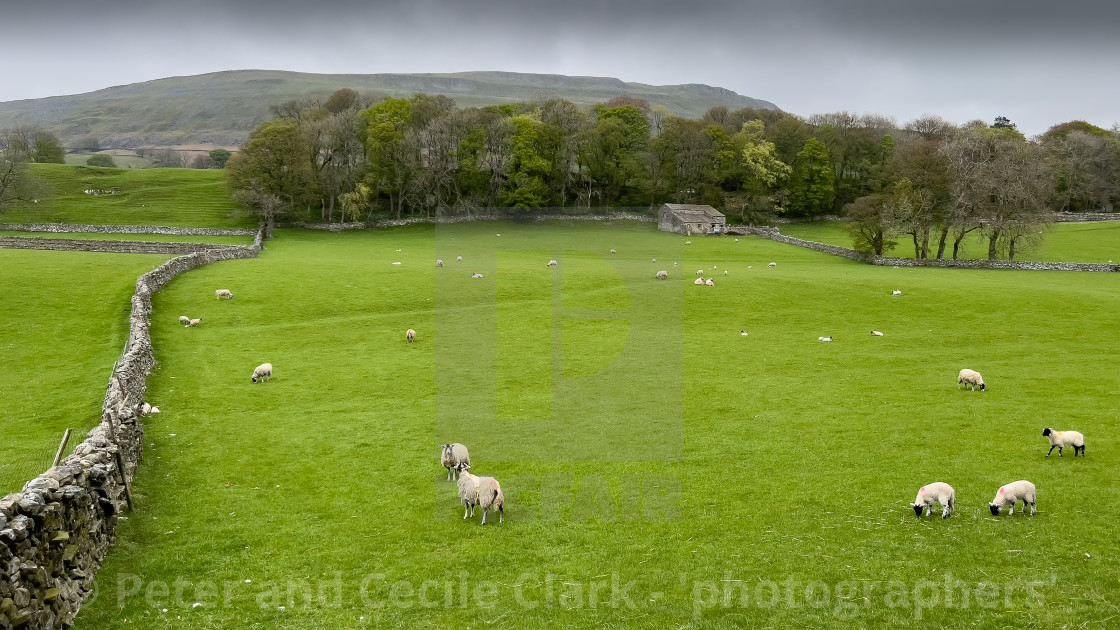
<point x="156" y="238"/>
<point x="649" y="453"/>
<point x="175" y="197"/>
<point x="63" y="323"/>
<point x="1092" y="242"/>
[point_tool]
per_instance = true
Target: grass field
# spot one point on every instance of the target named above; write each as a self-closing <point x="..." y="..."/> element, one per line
<point x="175" y="197"/>
<point x="63" y="323"/>
<point x="155" y="238"/>
<point x="1094" y="242"/>
<point x="660" y="469"/>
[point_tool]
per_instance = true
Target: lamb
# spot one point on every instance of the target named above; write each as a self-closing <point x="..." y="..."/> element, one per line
<point x="773" y="264"/>
<point x="223" y="293"/>
<point x="477" y="275"/>
<point x="1022" y="490"/>
<point x="459" y="258"/>
<point x="876" y="333"/>
<point x="1064" y="438"/>
<point x="485" y="492"/>
<point x="184" y="320"/>
<point x="552" y="263"/>
<point x="262" y="373"/>
<point x="662" y="275"/>
<point x="710" y="282"/>
<point x="410" y="335"/>
<point x="938" y="492"/>
<point x="194" y="322"/>
<point x="698" y="281"/>
<point x="453" y="455"/>
<point x="439" y="262"/>
<point x="970" y="377"/>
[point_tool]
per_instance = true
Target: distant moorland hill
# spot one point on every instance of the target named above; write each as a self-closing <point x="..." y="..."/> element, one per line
<point x="221" y="108"/>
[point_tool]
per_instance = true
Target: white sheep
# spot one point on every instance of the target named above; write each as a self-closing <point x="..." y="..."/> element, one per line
<point x="485" y="492"/>
<point x="699" y="272"/>
<point x="674" y="263"/>
<point x="146" y="409"/>
<point x="1062" y="439"/>
<point x="477" y="275"/>
<point x="262" y="373"/>
<point x="155" y="409"/>
<point x="552" y="263"/>
<point x="459" y="258"/>
<point x="937" y="492"/>
<point x="725" y="272"/>
<point x="223" y="293"/>
<point x="662" y="275"/>
<point x="710" y="282"/>
<point x="194" y="322"/>
<point x="451" y="456"/>
<point x="969" y="377"/>
<point x="698" y="281"/>
<point x="613" y="252"/>
<point x="688" y="242"/>
<point x="876" y="333"/>
<point x="410" y="335"/>
<point x="896" y="292"/>
<point x="736" y="240"/>
<point x="1022" y="490"/>
<point x="654" y="260"/>
<point x="773" y="264"/>
<point x="184" y="320"/>
<point x="824" y="338"/>
<point x="439" y="262"/>
<point x="743" y="333"/>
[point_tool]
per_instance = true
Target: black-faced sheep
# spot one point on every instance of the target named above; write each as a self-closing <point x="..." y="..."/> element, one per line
<point x="937" y="492"/>
<point x="262" y="373"/>
<point x="485" y="492"/>
<point x="1011" y="493"/>
<point x="1061" y="439"/>
<point x="223" y="293"/>
<point x="662" y="275"/>
<point x="410" y="335"/>
<point x="971" y="378"/>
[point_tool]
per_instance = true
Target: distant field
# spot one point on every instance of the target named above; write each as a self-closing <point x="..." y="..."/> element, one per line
<point x="156" y="238"/>
<point x="173" y="197"/>
<point x="760" y="481"/>
<point x="1090" y="242"/>
<point x="63" y="323"/>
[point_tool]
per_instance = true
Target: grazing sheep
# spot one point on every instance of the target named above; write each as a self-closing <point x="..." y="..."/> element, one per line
<point x="194" y="322"/>
<point x="662" y="275"/>
<point x="184" y="320"/>
<point x="824" y="338"/>
<point x="736" y="240"/>
<point x="725" y="272"/>
<point x="439" y="262"/>
<point x="454" y="454"/>
<point x="699" y="272"/>
<point x="497" y="235"/>
<point x="654" y="260"/>
<point x="896" y="292"/>
<point x="938" y="492"/>
<point x="459" y="258"/>
<point x="477" y="275"/>
<point x="397" y="262"/>
<point x="688" y="242"/>
<point x="1064" y="438"/>
<point x="970" y="377"/>
<point x="223" y="293"/>
<point x="1010" y="494"/>
<point x="410" y="335"/>
<point x="674" y="263"/>
<point x="146" y="409"/>
<point x="773" y="264"/>
<point x="263" y="372"/>
<point x="552" y="263"/>
<point x="710" y="282"/>
<point x="743" y="333"/>
<point x="613" y="252"/>
<point x="155" y="409"/>
<point x="485" y="492"/>
<point x="876" y="333"/>
<point x="698" y="281"/>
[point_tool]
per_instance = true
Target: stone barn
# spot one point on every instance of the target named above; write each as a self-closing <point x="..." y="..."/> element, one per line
<point x="690" y="219"/>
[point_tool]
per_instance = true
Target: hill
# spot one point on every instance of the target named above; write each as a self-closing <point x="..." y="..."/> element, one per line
<point x="221" y="108"/>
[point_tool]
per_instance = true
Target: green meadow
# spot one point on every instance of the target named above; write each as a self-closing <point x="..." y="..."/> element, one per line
<point x="174" y="197"/>
<point x="660" y="469"/>
<point x="1091" y="242"/>
<point x="156" y="238"/>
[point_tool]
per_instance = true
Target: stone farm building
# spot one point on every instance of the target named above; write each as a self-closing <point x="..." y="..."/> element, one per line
<point x="690" y="219"/>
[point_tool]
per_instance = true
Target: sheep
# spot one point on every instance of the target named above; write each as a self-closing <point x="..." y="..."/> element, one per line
<point x="262" y="373"/>
<point x="710" y="282"/>
<point x="477" y="275"/>
<point x="459" y="258"/>
<point x="146" y="409"/>
<point x="1064" y="438"/>
<point x="552" y="263"/>
<point x="688" y="242"/>
<point x="824" y="338"/>
<point x="155" y="409"/>
<point x="773" y="264"/>
<point x="439" y="262"/>
<point x="674" y="263"/>
<point x="194" y="322"/>
<point x="970" y="377"/>
<point x="699" y="272"/>
<point x="1022" y="490"/>
<point x="938" y="492"/>
<point x="725" y="272"/>
<point x="452" y="455"/>
<point x="662" y="275"/>
<point x="698" y="281"/>
<point x="654" y="260"/>
<point x="736" y="240"/>
<point x="184" y="320"/>
<point x="410" y="335"/>
<point x="896" y="292"/>
<point x="485" y="492"/>
<point x="876" y="333"/>
<point x="743" y="333"/>
<point x="223" y="293"/>
<point x="613" y="252"/>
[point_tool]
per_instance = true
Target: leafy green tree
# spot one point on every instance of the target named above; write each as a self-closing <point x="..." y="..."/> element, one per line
<point x="812" y="188"/>
<point x="15" y="179"/>
<point x="48" y="150"/>
<point x="870" y="224"/>
<point x="526" y="188"/>
<point x="391" y="149"/>
<point x="101" y="159"/>
<point x="271" y="174"/>
<point x="220" y="157"/>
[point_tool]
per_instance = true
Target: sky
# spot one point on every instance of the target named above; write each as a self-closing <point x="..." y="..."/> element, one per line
<point x="1036" y="62"/>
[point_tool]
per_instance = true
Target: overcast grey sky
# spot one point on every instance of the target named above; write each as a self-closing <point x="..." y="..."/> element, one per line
<point x="1037" y="62"/>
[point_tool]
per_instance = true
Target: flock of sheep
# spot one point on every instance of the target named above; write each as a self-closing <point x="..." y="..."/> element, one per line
<point x="261" y="373"/>
<point x="474" y="491"/>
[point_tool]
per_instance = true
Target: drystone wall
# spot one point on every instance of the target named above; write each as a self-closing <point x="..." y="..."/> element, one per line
<point x="55" y="533"/>
<point x="94" y="245"/>
<point x="59" y="228"/>
<point x="611" y="216"/>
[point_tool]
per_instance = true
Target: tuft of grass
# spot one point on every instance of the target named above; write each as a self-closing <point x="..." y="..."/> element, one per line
<point x="173" y="197"/>
<point x="660" y="470"/>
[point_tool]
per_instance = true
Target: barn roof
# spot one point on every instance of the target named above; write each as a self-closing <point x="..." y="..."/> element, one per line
<point x="693" y="212"/>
